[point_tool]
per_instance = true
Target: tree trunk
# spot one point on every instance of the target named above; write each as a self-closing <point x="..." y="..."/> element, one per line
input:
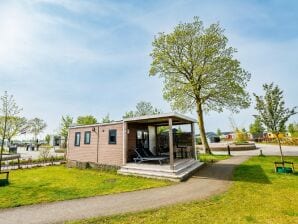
<point x="2" y="142"/>
<point x="202" y="129"/>
<point x="281" y="153"/>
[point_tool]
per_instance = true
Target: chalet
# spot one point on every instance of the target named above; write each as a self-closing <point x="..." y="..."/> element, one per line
<point x="135" y="146"/>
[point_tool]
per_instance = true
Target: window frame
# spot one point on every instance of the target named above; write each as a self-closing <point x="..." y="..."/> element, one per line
<point x="85" y="134"/>
<point x="77" y="138"/>
<point x="112" y="131"/>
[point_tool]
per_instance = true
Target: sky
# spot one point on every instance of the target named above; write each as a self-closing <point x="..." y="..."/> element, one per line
<point x="81" y="57"/>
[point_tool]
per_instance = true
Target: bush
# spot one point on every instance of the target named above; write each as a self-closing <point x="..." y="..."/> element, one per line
<point x="241" y="137"/>
<point x="44" y="154"/>
<point x="35" y="161"/>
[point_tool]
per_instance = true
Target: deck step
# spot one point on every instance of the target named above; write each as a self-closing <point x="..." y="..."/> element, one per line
<point x="181" y="172"/>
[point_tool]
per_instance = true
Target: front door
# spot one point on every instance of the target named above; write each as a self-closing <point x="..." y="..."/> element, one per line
<point x="142" y="139"/>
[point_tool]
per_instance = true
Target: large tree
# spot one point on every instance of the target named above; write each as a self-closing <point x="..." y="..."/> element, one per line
<point x="199" y="71"/>
<point x="272" y="111"/>
<point x="8" y="109"/>
<point x="142" y="108"/>
<point x="66" y="122"/>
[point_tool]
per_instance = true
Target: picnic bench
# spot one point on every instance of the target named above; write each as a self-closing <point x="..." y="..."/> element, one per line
<point x="7" y="157"/>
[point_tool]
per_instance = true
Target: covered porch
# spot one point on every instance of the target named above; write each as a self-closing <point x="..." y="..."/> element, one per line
<point x="174" y="143"/>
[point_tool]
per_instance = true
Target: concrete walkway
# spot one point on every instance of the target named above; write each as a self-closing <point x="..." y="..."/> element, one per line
<point x="210" y="180"/>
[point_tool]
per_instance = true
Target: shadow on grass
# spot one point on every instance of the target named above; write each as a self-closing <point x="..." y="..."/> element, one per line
<point x="245" y="173"/>
<point x="251" y="173"/>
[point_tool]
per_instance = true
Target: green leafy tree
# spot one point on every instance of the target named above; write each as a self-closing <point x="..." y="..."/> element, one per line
<point x="8" y="109"/>
<point x="106" y="119"/>
<point x="47" y="139"/>
<point x="66" y="122"/>
<point x="129" y="114"/>
<point x="162" y="129"/>
<point x="218" y="132"/>
<point x="272" y="111"/>
<point x="142" y="108"/>
<point x="256" y="128"/>
<point x="293" y="128"/>
<point x="14" y="126"/>
<point x="36" y="126"/>
<point x="199" y="71"/>
<point x="146" y="108"/>
<point x="86" y="120"/>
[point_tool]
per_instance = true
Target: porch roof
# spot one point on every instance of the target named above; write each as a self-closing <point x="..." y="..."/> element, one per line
<point x="161" y="119"/>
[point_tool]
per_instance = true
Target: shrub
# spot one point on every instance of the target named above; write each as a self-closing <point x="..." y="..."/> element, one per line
<point x="44" y="154"/>
<point x="241" y="137"/>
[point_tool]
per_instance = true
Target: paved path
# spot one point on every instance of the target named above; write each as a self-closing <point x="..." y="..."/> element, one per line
<point x="210" y="180"/>
<point x="269" y="150"/>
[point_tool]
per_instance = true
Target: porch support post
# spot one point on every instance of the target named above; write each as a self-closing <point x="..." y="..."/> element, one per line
<point x="171" y="145"/>
<point x="124" y="143"/>
<point x="156" y="143"/>
<point x="193" y="140"/>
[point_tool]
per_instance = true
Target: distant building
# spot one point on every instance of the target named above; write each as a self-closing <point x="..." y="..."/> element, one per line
<point x="57" y="140"/>
<point x="229" y="135"/>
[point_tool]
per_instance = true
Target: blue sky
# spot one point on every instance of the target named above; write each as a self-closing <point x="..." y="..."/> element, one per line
<point x="92" y="57"/>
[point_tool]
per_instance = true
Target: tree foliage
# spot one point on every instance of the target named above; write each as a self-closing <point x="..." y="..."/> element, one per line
<point x="129" y="114"/>
<point x="66" y="122"/>
<point x="47" y="139"/>
<point x="256" y="128"/>
<point x="15" y="125"/>
<point x="86" y="120"/>
<point x="142" y="108"/>
<point x="106" y="119"/>
<point x="272" y="111"/>
<point x="8" y="110"/>
<point x="36" y="126"/>
<point x="199" y="71"/>
<point x="293" y="128"/>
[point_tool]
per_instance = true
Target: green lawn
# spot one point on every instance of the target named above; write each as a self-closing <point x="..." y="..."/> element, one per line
<point x="36" y="185"/>
<point x="212" y="158"/>
<point x="258" y="195"/>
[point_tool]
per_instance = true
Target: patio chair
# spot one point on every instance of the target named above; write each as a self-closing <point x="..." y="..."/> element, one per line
<point x="147" y="152"/>
<point x="142" y="157"/>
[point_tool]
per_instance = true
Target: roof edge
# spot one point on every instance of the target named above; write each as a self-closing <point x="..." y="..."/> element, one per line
<point x="172" y="114"/>
<point x="95" y="125"/>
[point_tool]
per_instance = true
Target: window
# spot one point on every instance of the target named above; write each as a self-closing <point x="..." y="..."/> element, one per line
<point x="112" y="136"/>
<point x="77" y="138"/>
<point x="87" y="137"/>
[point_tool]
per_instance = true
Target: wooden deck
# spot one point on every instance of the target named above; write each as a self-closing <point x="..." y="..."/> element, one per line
<point x="183" y="168"/>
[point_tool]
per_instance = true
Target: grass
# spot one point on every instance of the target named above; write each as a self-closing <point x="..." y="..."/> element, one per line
<point x="206" y="158"/>
<point x="57" y="183"/>
<point x="258" y="195"/>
